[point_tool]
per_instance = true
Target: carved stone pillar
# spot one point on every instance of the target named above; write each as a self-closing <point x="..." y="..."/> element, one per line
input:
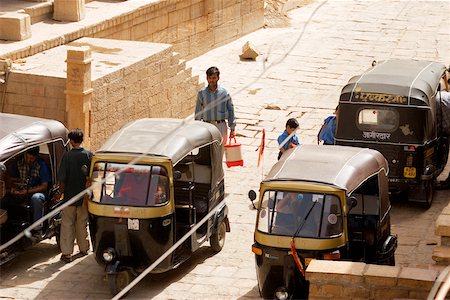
<point x="79" y="90"/>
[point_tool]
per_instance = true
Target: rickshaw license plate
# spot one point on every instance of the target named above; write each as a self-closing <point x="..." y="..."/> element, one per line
<point x="133" y="224"/>
<point x="409" y="172"/>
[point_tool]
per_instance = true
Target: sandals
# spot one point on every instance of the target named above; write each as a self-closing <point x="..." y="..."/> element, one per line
<point x="66" y="258"/>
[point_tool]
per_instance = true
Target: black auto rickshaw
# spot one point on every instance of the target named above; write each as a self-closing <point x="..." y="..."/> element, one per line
<point x="320" y="202"/>
<point x="153" y="180"/>
<point x="17" y="135"/>
<point x="392" y="108"/>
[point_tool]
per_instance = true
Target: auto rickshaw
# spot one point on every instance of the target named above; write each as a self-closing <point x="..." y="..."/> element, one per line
<point x="320" y="202"/>
<point x="17" y="135"/>
<point x="392" y="108"/>
<point x="153" y="180"/>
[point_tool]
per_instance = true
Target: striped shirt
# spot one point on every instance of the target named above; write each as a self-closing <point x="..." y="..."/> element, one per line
<point x="215" y="106"/>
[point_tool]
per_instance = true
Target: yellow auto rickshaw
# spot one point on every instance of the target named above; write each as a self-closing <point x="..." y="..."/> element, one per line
<point x="153" y="181"/>
<point x="320" y="202"/>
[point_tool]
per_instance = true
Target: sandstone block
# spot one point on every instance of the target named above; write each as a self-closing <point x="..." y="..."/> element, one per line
<point x="330" y="290"/>
<point x="249" y="51"/>
<point x="15" y="26"/>
<point x="179" y="16"/>
<point x="390" y="294"/>
<point x="417" y="278"/>
<point x="197" y="10"/>
<point x="200" y="25"/>
<point x="446" y="210"/>
<point x="340" y="271"/>
<point x="69" y="10"/>
<point x="381" y="275"/>
<point x="252" y="21"/>
<point x="443" y="225"/>
<point x="441" y="254"/>
<point x="445" y="240"/>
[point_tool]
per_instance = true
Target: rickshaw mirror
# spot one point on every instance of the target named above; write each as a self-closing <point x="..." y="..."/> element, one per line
<point x="351" y="202"/>
<point x="2" y="182"/>
<point x="2" y="169"/>
<point x="84" y="170"/>
<point x="177" y="175"/>
<point x="252" y="195"/>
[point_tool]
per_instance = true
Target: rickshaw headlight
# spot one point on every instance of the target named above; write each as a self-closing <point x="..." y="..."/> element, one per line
<point x="109" y="254"/>
<point x="281" y="293"/>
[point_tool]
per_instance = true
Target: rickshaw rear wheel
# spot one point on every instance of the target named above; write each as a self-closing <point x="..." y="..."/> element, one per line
<point x="118" y="281"/>
<point x="429" y="193"/>
<point x="218" y="237"/>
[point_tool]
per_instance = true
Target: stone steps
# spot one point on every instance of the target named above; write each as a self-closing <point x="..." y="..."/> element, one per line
<point x="39" y="12"/>
<point x="441" y="254"/>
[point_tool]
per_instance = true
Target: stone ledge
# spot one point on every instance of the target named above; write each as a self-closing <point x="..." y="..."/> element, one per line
<point x="39" y="12"/>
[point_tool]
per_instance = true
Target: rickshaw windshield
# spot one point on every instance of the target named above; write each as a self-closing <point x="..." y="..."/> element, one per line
<point x="301" y="214"/>
<point x="137" y="185"/>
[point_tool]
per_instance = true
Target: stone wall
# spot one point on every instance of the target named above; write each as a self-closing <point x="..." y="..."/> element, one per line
<point x="130" y="80"/>
<point x="34" y="95"/>
<point x="193" y="27"/>
<point x="354" y="280"/>
<point x="159" y="87"/>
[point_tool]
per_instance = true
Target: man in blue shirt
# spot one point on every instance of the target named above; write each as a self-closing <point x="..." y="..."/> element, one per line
<point x="214" y="105"/>
<point x="31" y="178"/>
<point x="285" y="144"/>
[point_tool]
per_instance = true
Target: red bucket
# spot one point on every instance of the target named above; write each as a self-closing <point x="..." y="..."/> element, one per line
<point x="233" y="154"/>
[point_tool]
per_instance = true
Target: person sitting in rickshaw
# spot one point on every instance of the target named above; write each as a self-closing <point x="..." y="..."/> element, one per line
<point x="296" y="211"/>
<point x="133" y="188"/>
<point x="160" y="195"/>
<point x="30" y="176"/>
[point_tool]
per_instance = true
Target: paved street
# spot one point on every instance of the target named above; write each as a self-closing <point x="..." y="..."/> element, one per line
<point x="299" y="74"/>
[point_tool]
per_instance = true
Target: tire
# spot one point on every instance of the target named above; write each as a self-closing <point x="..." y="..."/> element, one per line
<point x="429" y="193"/>
<point x="218" y="237"/>
<point x="118" y="281"/>
<point x="392" y="260"/>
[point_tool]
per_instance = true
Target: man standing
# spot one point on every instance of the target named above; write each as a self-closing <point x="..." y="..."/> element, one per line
<point x="73" y="179"/>
<point x="214" y="105"/>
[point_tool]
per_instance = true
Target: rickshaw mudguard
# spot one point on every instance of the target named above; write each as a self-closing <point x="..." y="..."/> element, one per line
<point x="222" y="215"/>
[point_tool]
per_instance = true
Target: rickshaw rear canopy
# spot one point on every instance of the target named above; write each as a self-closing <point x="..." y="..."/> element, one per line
<point x="339" y="166"/>
<point x="18" y="132"/>
<point x="165" y="137"/>
<point x="415" y="81"/>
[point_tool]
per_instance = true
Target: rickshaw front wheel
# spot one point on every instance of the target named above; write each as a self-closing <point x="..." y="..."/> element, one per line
<point x="218" y="237"/>
<point x="118" y="281"/>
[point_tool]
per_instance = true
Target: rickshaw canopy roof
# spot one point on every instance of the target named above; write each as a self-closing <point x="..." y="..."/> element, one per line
<point x="415" y="81"/>
<point x="19" y="132"/>
<point x="171" y="138"/>
<point x="339" y="166"/>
